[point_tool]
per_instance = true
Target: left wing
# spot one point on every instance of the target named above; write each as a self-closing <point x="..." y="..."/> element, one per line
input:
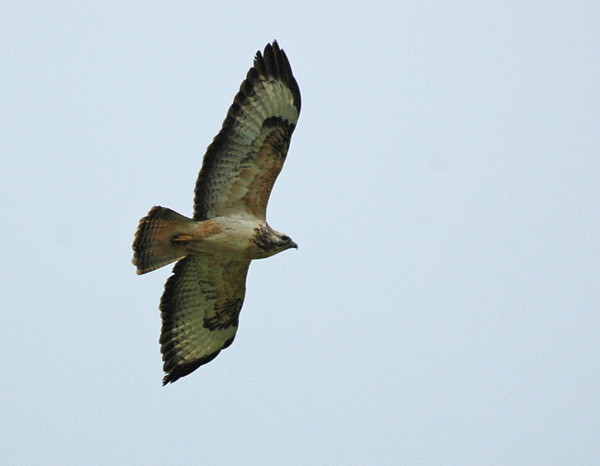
<point x="200" y="308"/>
<point x="243" y="161"/>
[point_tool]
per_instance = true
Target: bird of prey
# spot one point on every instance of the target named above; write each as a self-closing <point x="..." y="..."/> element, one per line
<point x="201" y="303"/>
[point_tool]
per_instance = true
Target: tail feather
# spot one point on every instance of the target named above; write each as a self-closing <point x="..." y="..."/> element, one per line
<point x="155" y="243"/>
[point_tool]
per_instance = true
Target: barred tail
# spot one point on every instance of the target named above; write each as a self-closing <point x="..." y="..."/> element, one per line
<point x="155" y="243"/>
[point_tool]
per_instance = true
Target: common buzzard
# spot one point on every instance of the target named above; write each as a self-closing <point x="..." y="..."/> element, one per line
<point x="202" y="300"/>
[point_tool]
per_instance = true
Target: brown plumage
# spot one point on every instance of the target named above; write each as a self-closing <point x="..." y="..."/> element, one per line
<point x="202" y="300"/>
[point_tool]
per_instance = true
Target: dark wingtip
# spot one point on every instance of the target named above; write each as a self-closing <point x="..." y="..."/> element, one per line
<point x="273" y="62"/>
<point x="174" y="373"/>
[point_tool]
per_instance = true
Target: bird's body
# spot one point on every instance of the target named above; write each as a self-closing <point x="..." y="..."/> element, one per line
<point x="203" y="298"/>
<point x="235" y="236"/>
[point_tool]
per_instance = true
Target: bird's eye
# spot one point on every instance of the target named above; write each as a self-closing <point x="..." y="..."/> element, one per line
<point x="285" y="239"/>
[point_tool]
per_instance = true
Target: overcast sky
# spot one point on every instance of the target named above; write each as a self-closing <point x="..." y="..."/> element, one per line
<point x="443" y="185"/>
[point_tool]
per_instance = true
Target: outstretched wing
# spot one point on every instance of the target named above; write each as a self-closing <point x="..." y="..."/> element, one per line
<point x="200" y="308"/>
<point x="243" y="161"/>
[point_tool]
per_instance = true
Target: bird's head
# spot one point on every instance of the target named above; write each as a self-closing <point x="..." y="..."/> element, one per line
<point x="285" y="242"/>
<point x="271" y="242"/>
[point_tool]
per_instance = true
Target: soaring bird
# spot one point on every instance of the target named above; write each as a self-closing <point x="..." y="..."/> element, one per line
<point x="201" y="303"/>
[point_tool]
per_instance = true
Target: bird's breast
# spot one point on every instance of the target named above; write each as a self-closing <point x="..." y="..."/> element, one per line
<point x="227" y="236"/>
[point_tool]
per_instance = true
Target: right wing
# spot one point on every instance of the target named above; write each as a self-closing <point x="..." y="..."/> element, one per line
<point x="245" y="158"/>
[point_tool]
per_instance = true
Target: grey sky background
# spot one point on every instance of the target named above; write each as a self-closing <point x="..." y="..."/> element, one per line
<point x="443" y="184"/>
